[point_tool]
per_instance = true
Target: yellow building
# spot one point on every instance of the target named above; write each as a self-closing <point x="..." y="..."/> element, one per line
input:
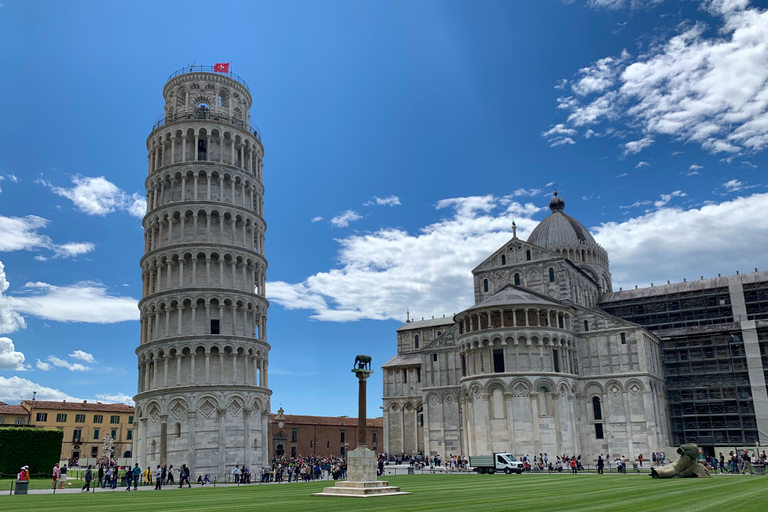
<point x="85" y="425"/>
<point x="13" y="415"/>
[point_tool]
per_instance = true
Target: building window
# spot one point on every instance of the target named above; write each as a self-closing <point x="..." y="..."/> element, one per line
<point x="439" y="333"/>
<point x="19" y="421"/>
<point x="130" y="420"/>
<point x="94" y="451"/>
<point x="405" y="375"/>
<point x="517" y="279"/>
<point x="96" y="433"/>
<point x="463" y="366"/>
<point x="418" y="374"/>
<point x="556" y="359"/>
<point x="342" y="451"/>
<point x="598" y="431"/>
<point x="343" y="436"/>
<point x="76" y="434"/>
<point x="498" y="361"/>
<point x="586" y="325"/>
<point x="416" y="341"/>
<point x="79" y="418"/>
<point x="61" y="418"/>
<point x="98" y="418"/>
<point x="485" y="285"/>
<point x="503" y="259"/>
<point x="327" y="444"/>
<point x="434" y="357"/>
<point x="374" y="437"/>
<point x="623" y="338"/>
<point x="551" y="275"/>
<point x="528" y="254"/>
<point x="561" y="321"/>
<point x="293" y="451"/>
<point x="215" y="326"/>
<point x="114" y="419"/>
<point x="596" y="408"/>
<point x="113" y="433"/>
<point x="129" y="434"/>
<point x="294" y="435"/>
<point x="42" y="416"/>
<point x="202" y="149"/>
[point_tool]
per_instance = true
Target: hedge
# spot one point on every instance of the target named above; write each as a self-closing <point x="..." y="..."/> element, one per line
<point x="37" y="448"/>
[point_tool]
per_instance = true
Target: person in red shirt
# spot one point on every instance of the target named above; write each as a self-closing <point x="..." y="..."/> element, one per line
<point x="573" y="466"/>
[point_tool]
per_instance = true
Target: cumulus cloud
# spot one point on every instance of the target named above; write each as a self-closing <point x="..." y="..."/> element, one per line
<point x="85" y="301"/>
<point x="43" y="366"/>
<point x="384" y="271"/>
<point x="735" y="185"/>
<point x="16" y="389"/>
<point x="642" y="164"/>
<point x="98" y="196"/>
<point x="343" y="219"/>
<point x="316" y="219"/>
<point x="695" y="167"/>
<point x="82" y="356"/>
<point x="10" y="320"/>
<point x="21" y="234"/>
<point x="73" y="367"/>
<point x="10" y="359"/>
<point x="673" y="243"/>
<point x="383" y="201"/>
<point x="708" y="87"/>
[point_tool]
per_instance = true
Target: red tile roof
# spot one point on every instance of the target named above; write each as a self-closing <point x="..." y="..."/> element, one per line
<point x="77" y="406"/>
<point x="13" y="409"/>
<point x="335" y="421"/>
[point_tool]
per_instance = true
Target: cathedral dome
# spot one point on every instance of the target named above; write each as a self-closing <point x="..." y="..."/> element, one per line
<point x="560" y="230"/>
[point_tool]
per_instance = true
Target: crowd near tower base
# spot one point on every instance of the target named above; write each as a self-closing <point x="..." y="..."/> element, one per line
<point x="361" y="463"/>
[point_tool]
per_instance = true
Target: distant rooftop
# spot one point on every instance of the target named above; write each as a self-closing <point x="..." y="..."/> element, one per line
<point x="421" y="324"/>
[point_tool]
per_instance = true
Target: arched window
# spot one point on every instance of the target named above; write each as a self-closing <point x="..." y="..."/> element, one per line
<point x="485" y="285"/>
<point x="551" y="275"/>
<point x="178" y="430"/>
<point x="596" y="408"/>
<point x="586" y="325"/>
<point x="503" y="259"/>
<point x="439" y="333"/>
<point x="528" y="254"/>
<point x="517" y="279"/>
<point x="416" y="341"/>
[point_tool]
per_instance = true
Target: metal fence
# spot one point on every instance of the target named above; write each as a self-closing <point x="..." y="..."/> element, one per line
<point x="208" y="69"/>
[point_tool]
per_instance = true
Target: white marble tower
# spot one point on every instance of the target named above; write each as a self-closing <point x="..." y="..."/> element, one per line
<point x="203" y="396"/>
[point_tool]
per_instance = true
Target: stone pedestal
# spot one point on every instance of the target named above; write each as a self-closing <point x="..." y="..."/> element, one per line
<point x="361" y="478"/>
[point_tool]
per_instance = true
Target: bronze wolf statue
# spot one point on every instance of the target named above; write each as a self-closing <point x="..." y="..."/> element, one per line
<point x="363" y="362"/>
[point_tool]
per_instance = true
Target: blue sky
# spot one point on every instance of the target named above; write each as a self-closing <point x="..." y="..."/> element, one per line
<point x="401" y="140"/>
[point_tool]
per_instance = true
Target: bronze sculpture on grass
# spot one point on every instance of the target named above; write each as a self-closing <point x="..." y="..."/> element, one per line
<point x="686" y="466"/>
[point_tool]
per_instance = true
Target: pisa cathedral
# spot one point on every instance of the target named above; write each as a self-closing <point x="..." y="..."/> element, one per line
<point x="534" y="365"/>
<point x="203" y="395"/>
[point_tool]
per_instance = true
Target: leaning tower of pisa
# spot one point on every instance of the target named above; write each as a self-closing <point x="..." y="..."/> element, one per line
<point x="203" y="395"/>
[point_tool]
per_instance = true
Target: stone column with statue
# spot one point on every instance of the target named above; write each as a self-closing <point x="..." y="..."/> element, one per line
<point x="361" y="480"/>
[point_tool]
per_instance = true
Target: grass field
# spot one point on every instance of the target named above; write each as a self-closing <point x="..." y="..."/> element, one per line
<point x="546" y="493"/>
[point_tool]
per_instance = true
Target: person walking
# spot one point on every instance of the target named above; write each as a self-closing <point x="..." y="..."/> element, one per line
<point x="136" y="475"/>
<point x="169" y="477"/>
<point x="600" y="464"/>
<point x="158" y="478"/>
<point x="62" y="476"/>
<point x="56" y="474"/>
<point x="88" y="477"/>
<point x="574" y="470"/>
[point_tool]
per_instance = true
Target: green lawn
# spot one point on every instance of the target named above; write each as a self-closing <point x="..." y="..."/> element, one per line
<point x="549" y="493"/>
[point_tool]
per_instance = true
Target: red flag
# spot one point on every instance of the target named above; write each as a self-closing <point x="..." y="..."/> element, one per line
<point x="221" y="67"/>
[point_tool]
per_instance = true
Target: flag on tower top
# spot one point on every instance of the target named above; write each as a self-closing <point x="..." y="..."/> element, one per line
<point x="221" y="67"/>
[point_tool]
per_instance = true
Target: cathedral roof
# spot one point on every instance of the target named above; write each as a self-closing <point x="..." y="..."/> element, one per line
<point x="512" y="294"/>
<point x="403" y="360"/>
<point x="423" y="324"/>
<point x="560" y="230"/>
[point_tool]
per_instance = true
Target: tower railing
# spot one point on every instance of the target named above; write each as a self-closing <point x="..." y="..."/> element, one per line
<point x="164" y="119"/>
<point x="208" y="69"/>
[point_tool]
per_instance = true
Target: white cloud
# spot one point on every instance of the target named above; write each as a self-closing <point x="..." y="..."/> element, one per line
<point x="43" y="366"/>
<point x="21" y="234"/>
<point x="695" y="167"/>
<point x="118" y="398"/>
<point x="10" y="359"/>
<point x="637" y="146"/>
<point x="708" y="87"/>
<point x="523" y="192"/>
<point x="10" y="320"/>
<point x="735" y="185"/>
<point x="562" y="141"/>
<point x="559" y="129"/>
<point x="85" y="301"/>
<point x="73" y="367"/>
<point x="343" y="219"/>
<point x="622" y="4"/>
<point x="672" y="243"/>
<point x="98" y="196"/>
<point x="82" y="356"/>
<point x="623" y="175"/>
<point x="384" y="271"/>
<point x="385" y="201"/>
<point x="693" y="173"/>
<point x="642" y="164"/>
<point x="316" y="219"/>
<point x="665" y="198"/>
<point x="16" y="388"/>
